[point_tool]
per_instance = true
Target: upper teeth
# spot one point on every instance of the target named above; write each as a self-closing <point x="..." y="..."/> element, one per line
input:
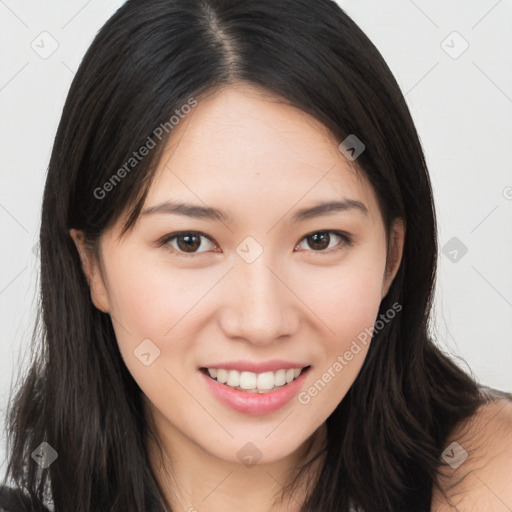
<point x="250" y="380"/>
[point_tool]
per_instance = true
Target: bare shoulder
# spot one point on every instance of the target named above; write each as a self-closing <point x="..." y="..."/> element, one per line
<point x="476" y="471"/>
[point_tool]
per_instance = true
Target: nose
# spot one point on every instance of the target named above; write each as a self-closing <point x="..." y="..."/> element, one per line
<point x="261" y="307"/>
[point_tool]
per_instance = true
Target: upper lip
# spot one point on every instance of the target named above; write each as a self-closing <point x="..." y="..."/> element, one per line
<point x="250" y="366"/>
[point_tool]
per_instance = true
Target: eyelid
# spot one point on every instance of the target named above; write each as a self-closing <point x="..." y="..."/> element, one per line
<point x="164" y="241"/>
<point x="346" y="237"/>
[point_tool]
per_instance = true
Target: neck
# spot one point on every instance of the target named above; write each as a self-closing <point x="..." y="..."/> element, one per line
<point x="193" y="480"/>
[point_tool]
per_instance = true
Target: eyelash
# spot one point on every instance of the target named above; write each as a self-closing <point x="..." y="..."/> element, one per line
<point x="164" y="242"/>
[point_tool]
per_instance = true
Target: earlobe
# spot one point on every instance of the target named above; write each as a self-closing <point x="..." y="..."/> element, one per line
<point x="395" y="251"/>
<point x="92" y="272"/>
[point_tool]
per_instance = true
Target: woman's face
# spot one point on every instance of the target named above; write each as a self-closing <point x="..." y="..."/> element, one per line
<point x="261" y="282"/>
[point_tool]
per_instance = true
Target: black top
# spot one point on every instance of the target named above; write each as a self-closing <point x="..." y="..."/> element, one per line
<point x="13" y="500"/>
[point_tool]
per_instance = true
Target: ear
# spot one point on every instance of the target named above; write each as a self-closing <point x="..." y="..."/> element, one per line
<point x="394" y="256"/>
<point x="92" y="270"/>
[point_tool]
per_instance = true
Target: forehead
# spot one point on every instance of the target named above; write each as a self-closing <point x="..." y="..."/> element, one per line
<point x="243" y="145"/>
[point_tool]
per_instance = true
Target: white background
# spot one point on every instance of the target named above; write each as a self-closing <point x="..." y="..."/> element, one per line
<point x="462" y="108"/>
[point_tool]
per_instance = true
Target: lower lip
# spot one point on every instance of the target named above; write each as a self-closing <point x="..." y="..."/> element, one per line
<point x="256" y="403"/>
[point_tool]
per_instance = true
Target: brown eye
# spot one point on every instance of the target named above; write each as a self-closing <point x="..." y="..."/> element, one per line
<point x="321" y="240"/>
<point x="187" y="242"/>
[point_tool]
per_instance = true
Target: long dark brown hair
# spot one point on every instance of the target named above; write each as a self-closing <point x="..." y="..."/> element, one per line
<point x="385" y="438"/>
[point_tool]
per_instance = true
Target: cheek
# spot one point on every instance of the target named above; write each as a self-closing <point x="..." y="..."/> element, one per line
<point x="358" y="299"/>
<point x="149" y="313"/>
<point x="162" y="304"/>
<point x="150" y="299"/>
<point x="347" y="297"/>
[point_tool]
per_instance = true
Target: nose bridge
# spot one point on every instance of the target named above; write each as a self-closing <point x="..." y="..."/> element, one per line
<point x="260" y="307"/>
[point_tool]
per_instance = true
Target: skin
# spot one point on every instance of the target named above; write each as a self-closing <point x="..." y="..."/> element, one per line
<point x="242" y="151"/>
<point x="483" y="480"/>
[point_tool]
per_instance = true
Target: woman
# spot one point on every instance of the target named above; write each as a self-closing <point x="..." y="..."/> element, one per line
<point x="238" y="254"/>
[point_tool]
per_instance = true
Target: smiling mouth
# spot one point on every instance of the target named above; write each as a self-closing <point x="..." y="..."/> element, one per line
<point x="254" y="383"/>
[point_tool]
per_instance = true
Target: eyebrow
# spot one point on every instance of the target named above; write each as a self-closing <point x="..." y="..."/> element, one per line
<point x="210" y="213"/>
